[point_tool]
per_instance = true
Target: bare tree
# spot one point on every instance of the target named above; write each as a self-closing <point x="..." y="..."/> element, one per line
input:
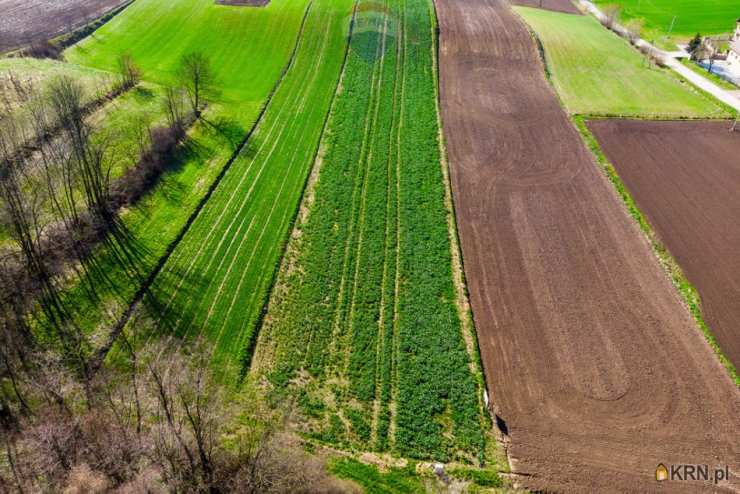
<point x="130" y="73"/>
<point x="611" y="15"/>
<point x="174" y="106"/>
<point x="164" y="424"/>
<point x="196" y="76"/>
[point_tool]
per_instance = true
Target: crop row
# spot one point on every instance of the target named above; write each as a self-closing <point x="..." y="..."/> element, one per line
<point x="364" y="309"/>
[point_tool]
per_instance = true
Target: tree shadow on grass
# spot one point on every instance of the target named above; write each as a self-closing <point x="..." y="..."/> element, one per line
<point x="227" y="129"/>
<point x="171" y="302"/>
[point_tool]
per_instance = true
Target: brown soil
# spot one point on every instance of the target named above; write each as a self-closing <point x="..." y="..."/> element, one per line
<point x="556" y="5"/>
<point x="685" y="177"/>
<point x="27" y="21"/>
<point x="594" y="365"/>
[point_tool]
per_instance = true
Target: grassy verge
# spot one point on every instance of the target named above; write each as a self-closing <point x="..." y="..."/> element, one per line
<point x="373" y="481"/>
<point x="414" y="478"/>
<point x="686" y="290"/>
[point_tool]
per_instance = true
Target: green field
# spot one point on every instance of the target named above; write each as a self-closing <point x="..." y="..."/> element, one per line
<point x="247" y="47"/>
<point x="371" y="310"/>
<point x="598" y="73"/>
<point x="158" y="218"/>
<point x="364" y="312"/>
<point x="691" y="17"/>
<point x="217" y="280"/>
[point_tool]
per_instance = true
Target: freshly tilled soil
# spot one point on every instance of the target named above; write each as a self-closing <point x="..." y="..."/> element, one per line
<point x="685" y="177"/>
<point x="23" y="22"/>
<point x="596" y="369"/>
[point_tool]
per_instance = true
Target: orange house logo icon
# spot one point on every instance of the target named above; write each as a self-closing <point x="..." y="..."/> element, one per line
<point x="661" y="473"/>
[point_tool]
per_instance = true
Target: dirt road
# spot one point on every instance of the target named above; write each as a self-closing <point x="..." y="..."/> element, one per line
<point x="593" y="364"/>
<point x="556" y="5"/>
<point x="685" y="176"/>
<point x="26" y="21"/>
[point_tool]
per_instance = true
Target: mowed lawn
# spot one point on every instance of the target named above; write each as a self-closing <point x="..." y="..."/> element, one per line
<point x="247" y="47"/>
<point x="691" y="16"/>
<point x="596" y="72"/>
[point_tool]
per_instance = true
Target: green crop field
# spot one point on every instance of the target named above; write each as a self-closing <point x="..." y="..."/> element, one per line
<point x="364" y="310"/>
<point x="596" y="72"/>
<point x="217" y="279"/>
<point x="248" y="47"/>
<point x="691" y="17"/>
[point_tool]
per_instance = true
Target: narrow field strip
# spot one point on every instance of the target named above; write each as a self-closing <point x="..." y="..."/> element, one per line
<point x="368" y="276"/>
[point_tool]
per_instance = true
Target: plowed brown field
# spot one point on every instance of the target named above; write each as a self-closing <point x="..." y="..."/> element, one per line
<point x="556" y="5"/>
<point x="591" y="360"/>
<point x="685" y="177"/>
<point x="25" y="21"/>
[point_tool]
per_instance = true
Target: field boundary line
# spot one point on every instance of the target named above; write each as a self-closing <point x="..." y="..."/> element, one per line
<point x="688" y="294"/>
<point x="101" y="353"/>
<point x="486" y="406"/>
<point x="252" y="342"/>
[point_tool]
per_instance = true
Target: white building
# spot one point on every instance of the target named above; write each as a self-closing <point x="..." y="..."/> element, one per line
<point x="733" y="56"/>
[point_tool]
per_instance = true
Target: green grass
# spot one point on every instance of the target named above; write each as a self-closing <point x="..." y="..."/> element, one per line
<point x="692" y="16"/>
<point x="709" y="75"/>
<point x="596" y="72"/>
<point x="365" y="303"/>
<point x="217" y="279"/>
<point x="247" y="47"/>
<point x="373" y="481"/>
<point x="263" y="50"/>
<point x="115" y="124"/>
<point x="40" y="71"/>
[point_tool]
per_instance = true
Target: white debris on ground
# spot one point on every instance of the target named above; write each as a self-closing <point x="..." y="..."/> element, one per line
<point x="723" y="69"/>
